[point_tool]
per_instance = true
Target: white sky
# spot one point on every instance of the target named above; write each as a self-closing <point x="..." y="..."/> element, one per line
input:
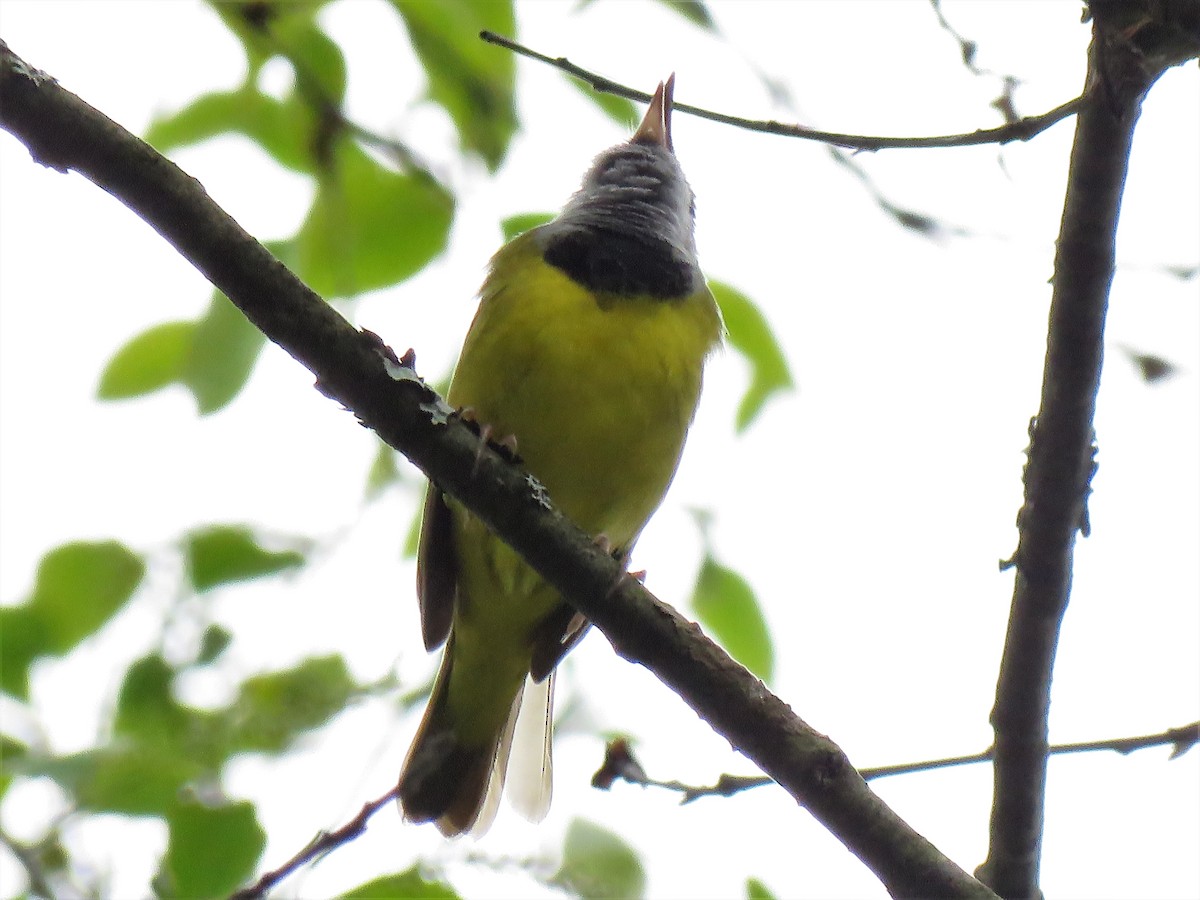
<point x="869" y="509"/>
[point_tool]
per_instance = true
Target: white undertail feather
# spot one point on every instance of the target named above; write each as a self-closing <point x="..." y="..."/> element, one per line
<point x="530" y="784"/>
<point x="490" y="804"/>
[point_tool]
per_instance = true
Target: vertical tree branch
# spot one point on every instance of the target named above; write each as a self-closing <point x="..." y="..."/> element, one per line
<point x="1127" y="54"/>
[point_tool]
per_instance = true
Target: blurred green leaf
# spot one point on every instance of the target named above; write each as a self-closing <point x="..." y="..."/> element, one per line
<point x="316" y="59"/>
<point x="383" y="472"/>
<point x="522" y="222"/>
<point x="408" y="885"/>
<point x="212" y="644"/>
<point x="223" y="352"/>
<point x="79" y="587"/>
<point x="756" y="890"/>
<point x="751" y="336"/>
<point x="24" y="640"/>
<point x="211" y="850"/>
<point x="726" y="606"/>
<point x="597" y="863"/>
<point x="212" y="357"/>
<point x="693" y="10"/>
<point x="146" y="707"/>
<point x="473" y="81"/>
<point x="135" y="781"/>
<point x="148" y="362"/>
<point x="149" y="715"/>
<point x="621" y="110"/>
<point x="412" y="539"/>
<point x="11" y="750"/>
<point x="221" y="554"/>
<point x="370" y="227"/>
<point x="258" y="25"/>
<point x="272" y="709"/>
<point x="123" y="777"/>
<point x="282" y="128"/>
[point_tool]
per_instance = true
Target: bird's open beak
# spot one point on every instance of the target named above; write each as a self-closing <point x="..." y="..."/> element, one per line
<point x="656" y="126"/>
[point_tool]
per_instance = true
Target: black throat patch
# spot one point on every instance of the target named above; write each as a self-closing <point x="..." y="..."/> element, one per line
<point x="610" y="262"/>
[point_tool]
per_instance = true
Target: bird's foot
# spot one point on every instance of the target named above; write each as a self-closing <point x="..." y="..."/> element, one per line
<point x="505" y="445"/>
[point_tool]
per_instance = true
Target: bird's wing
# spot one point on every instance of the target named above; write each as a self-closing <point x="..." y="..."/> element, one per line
<point x="437" y="582"/>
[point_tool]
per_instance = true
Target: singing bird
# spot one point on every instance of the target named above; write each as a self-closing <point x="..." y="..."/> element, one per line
<point x="588" y="347"/>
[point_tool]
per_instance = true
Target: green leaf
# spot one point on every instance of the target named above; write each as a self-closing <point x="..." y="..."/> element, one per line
<point x="24" y="640"/>
<point x="79" y="587"/>
<point x="224" y="349"/>
<point x="11" y="750"/>
<point x="694" y="11"/>
<point x="146" y="707"/>
<point x="407" y="885"/>
<point x="135" y="781"/>
<point x="212" y="644"/>
<point x="597" y="863"/>
<point x="727" y="608"/>
<point x="756" y="890"/>
<point x="751" y="336"/>
<point x="412" y="540"/>
<point x="472" y="80"/>
<point x="257" y="25"/>
<point x="272" y="709"/>
<point x="383" y="471"/>
<point x="522" y="222"/>
<point x="149" y="362"/>
<point x="284" y="129"/>
<point x="211" y="850"/>
<point x="370" y="227"/>
<point x="149" y="715"/>
<point x="317" y="60"/>
<point x="621" y="110"/>
<point x="125" y="778"/>
<point x="212" y="356"/>
<point x="222" y="554"/>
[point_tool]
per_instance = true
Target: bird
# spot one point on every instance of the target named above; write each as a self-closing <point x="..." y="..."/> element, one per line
<point x="588" y="346"/>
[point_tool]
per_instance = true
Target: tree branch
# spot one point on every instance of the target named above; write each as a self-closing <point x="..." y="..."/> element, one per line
<point x="385" y="394"/>
<point x="318" y="846"/>
<point x="1061" y="452"/>
<point x="1020" y="130"/>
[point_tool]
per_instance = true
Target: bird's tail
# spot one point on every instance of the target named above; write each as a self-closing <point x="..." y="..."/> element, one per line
<point x="458" y="784"/>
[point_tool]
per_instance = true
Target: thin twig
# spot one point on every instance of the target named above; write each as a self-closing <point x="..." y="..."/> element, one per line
<point x="30" y="858"/>
<point x="324" y="842"/>
<point x="1020" y="130"/>
<point x="621" y="765"/>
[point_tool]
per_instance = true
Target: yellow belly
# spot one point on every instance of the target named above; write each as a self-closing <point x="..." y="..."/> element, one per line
<point x="599" y="397"/>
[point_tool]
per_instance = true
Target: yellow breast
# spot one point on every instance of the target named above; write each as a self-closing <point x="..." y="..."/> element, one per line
<point x="598" y="390"/>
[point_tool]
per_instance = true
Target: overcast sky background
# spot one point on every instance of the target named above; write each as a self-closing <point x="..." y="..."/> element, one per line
<point x="868" y="509"/>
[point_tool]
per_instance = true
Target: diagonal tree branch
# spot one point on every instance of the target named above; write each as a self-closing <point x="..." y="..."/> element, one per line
<point x="355" y="369"/>
<point x="1124" y="60"/>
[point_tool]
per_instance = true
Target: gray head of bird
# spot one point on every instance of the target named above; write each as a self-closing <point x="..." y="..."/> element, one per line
<point x="637" y="192"/>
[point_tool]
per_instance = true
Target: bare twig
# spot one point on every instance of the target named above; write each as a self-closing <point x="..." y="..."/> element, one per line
<point x="1020" y="130"/>
<point x="318" y="846"/>
<point x="1005" y="103"/>
<point x="30" y="856"/>
<point x="621" y="765"/>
